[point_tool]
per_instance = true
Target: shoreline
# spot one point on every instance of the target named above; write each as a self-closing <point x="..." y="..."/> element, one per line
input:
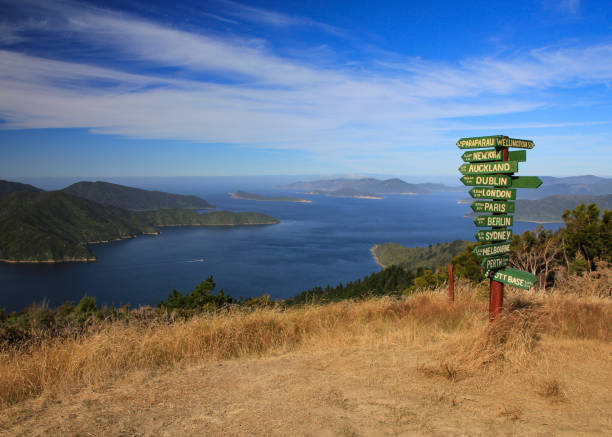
<point x="233" y="196"/>
<point x="373" y="252"/>
<point x="127" y="237"/>
<point x="49" y="261"/>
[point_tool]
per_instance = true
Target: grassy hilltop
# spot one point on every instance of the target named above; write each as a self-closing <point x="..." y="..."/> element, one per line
<point x="384" y="355"/>
<point x="410" y="366"/>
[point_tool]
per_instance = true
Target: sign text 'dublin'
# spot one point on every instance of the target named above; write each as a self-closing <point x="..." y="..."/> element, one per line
<point x="492" y="180"/>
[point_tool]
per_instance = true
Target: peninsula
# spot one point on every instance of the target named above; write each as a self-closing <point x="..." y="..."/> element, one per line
<point x="251" y="196"/>
<point x="412" y="258"/>
<point x="54" y="226"/>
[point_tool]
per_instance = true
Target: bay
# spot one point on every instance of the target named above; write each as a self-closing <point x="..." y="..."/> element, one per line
<point x="324" y="242"/>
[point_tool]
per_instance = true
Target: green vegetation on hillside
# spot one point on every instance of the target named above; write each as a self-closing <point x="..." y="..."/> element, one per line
<point x="251" y="196"/>
<point x="391" y="281"/>
<point x="52" y="226"/>
<point x="411" y="258"/>
<point x="551" y="208"/>
<point x="7" y="187"/>
<point x="131" y="198"/>
<point x="55" y="226"/>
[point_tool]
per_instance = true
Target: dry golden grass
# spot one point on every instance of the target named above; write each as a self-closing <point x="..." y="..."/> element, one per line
<point x="536" y="350"/>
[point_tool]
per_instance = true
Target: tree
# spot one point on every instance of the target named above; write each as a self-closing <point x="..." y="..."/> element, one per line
<point x="586" y="233"/>
<point x="466" y="265"/>
<point x="536" y="252"/>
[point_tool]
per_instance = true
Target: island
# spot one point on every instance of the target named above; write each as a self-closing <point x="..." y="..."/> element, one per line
<point x="251" y="196"/>
<point x="54" y="226"/>
<point x="411" y="258"/>
<point x="366" y="188"/>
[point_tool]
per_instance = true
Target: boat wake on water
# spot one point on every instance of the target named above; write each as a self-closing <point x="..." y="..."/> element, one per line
<point x="201" y="260"/>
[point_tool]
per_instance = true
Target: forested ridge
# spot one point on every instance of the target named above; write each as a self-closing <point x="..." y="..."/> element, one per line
<point x="56" y="226"/>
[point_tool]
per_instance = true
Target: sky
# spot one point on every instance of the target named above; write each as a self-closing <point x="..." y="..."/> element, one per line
<point x="208" y="88"/>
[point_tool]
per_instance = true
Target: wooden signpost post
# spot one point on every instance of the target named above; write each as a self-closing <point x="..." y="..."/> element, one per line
<point x="491" y="173"/>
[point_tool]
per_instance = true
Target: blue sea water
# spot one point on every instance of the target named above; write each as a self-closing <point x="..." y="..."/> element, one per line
<point x="324" y="242"/>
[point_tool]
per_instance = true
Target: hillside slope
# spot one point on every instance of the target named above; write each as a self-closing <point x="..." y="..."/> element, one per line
<point x="55" y="226"/>
<point x="383" y="367"/>
<point x="412" y="258"/>
<point x="551" y="208"/>
<point x="364" y="186"/>
<point x="8" y="187"/>
<point x="131" y="198"/>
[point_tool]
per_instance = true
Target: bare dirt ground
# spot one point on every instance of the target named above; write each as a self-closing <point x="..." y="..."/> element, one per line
<point x="371" y="389"/>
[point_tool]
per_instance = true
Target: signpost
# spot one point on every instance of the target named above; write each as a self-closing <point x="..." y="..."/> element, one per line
<point x="493" y="193"/>
<point x="491" y="172"/>
<point x="494" y="141"/>
<point x="491" y="249"/>
<point x="496" y="262"/>
<point x="526" y="182"/>
<point x="493" y="155"/>
<point x="495" y="180"/>
<point x="492" y="206"/>
<point x="494" y="167"/>
<point x="517" y="278"/>
<point x="493" y="235"/>
<point x="494" y="220"/>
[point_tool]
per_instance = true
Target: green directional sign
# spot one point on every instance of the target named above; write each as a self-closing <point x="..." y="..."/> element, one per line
<point x="489" y="167"/>
<point x="493" y="155"/>
<point x="494" y="221"/>
<point x="479" y="180"/>
<point x="482" y="155"/>
<point x="493" y="141"/>
<point x="491" y="249"/>
<point x="496" y="262"/>
<point x="493" y="206"/>
<point x="526" y="182"/>
<point x="489" y="235"/>
<point x="493" y="193"/>
<point x="517" y="278"/>
<point x="517" y="155"/>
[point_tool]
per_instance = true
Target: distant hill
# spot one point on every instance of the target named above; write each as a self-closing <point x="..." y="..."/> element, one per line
<point x="573" y="185"/>
<point x="131" y="198"/>
<point x="7" y="187"/>
<point x="366" y="186"/>
<point x="55" y="226"/>
<point x="551" y="208"/>
<point x="411" y="258"/>
<point x="251" y="196"/>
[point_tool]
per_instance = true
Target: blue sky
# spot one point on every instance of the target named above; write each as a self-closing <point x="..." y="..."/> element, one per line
<point x="205" y="88"/>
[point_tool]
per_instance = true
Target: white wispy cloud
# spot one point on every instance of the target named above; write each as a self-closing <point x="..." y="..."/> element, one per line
<point x="238" y="90"/>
